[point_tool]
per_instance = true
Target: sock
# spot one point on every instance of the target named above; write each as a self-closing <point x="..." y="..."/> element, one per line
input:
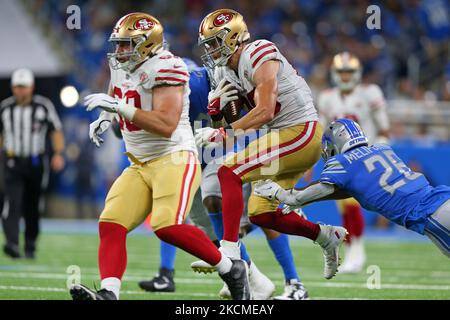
<point x="112" y="284"/>
<point x="192" y="240"/>
<point x="167" y="253"/>
<point x="224" y="265"/>
<point x="353" y="221"/>
<point x="112" y="252"/>
<point x="244" y="254"/>
<point x="290" y="223"/>
<point x="282" y="251"/>
<point x="217" y="223"/>
<point x="232" y="203"/>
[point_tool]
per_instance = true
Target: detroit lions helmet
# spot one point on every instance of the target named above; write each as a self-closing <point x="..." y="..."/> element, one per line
<point x="340" y="136"/>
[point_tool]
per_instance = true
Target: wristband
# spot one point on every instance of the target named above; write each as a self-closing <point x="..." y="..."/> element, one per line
<point x="127" y="111"/>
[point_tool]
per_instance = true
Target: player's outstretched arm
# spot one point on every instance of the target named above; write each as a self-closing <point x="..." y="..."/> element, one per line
<point x="316" y="191"/>
<point x="266" y="93"/>
<point x="167" y="107"/>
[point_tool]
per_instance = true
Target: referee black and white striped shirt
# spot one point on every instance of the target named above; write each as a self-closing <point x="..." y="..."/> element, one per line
<point x="24" y="129"/>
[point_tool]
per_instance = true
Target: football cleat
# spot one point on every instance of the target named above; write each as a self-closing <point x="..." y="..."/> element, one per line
<point x="330" y="239"/>
<point x="260" y="285"/>
<point x="293" y="290"/>
<point x="12" y="251"/>
<point x="162" y="282"/>
<point x="237" y="280"/>
<point x="224" y="293"/>
<point x="80" y="292"/>
<point x="201" y="266"/>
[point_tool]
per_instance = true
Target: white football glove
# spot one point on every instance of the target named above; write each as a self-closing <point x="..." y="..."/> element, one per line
<point x="209" y="136"/>
<point x="99" y="126"/>
<point x="109" y="104"/>
<point x="220" y="97"/>
<point x="267" y="189"/>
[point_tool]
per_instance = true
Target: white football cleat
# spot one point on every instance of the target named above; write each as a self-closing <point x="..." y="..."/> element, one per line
<point x="330" y="239"/>
<point x="260" y="285"/>
<point x="201" y="266"/>
<point x="294" y="290"/>
<point x="355" y="257"/>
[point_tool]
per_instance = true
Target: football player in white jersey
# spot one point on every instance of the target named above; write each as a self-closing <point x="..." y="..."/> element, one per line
<point x="365" y="104"/>
<point x="280" y="101"/>
<point x="149" y="94"/>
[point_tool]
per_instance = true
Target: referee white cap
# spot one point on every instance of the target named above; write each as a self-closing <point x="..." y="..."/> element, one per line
<point x="22" y="77"/>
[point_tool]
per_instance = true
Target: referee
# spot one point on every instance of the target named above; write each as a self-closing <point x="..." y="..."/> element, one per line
<point x="25" y="122"/>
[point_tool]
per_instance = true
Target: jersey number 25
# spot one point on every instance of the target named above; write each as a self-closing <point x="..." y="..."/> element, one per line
<point x="390" y="163"/>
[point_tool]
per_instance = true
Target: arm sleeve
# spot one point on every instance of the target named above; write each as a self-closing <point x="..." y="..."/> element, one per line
<point x="314" y="192"/>
<point x="334" y="173"/>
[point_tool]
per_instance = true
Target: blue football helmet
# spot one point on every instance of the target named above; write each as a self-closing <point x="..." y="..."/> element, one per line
<point x="340" y="136"/>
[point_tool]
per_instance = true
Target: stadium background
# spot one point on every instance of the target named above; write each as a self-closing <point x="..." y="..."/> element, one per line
<point x="408" y="57"/>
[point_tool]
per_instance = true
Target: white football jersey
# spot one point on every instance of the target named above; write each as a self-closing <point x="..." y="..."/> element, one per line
<point x="365" y="105"/>
<point x="162" y="69"/>
<point x="294" y="103"/>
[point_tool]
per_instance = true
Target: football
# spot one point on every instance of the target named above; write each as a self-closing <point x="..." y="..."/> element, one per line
<point x="232" y="111"/>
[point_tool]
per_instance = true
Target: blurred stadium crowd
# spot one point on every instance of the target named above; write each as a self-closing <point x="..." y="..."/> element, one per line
<point x="408" y="57"/>
<point x="309" y="32"/>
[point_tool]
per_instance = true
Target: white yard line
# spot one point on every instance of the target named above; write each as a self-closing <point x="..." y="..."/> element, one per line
<point x="50" y="289"/>
<point x="216" y="281"/>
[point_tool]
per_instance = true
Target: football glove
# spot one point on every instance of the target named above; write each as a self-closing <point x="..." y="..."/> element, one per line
<point x="267" y="189"/>
<point x="209" y="136"/>
<point x="109" y="104"/>
<point x="99" y="126"/>
<point x="220" y="97"/>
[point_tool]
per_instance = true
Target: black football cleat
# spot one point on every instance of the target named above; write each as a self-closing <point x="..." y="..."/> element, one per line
<point x="237" y="280"/>
<point x="12" y="251"/>
<point x="80" y="292"/>
<point x="162" y="282"/>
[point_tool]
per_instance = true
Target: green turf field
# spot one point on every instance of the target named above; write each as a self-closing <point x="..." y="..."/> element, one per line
<point x="408" y="270"/>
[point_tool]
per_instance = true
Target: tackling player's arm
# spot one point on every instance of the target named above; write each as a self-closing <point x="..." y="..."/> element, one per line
<point x="167" y="105"/>
<point x="266" y="93"/>
<point x="316" y="191"/>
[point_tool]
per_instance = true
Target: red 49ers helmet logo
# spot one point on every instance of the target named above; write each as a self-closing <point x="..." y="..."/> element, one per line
<point x="222" y="19"/>
<point x="144" y="24"/>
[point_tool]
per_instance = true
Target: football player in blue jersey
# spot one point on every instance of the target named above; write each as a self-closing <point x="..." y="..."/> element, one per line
<point x="378" y="179"/>
<point x="199" y="84"/>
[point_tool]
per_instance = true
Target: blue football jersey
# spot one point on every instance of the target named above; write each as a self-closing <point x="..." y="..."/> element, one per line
<point x="198" y="104"/>
<point x="198" y="99"/>
<point x="382" y="182"/>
